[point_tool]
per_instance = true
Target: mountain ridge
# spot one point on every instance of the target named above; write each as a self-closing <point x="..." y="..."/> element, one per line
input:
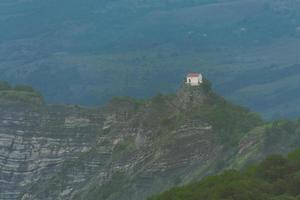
<point x="129" y="149"/>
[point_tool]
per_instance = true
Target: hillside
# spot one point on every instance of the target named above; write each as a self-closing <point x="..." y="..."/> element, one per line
<point x="276" y="178"/>
<point x="88" y="52"/>
<point x="129" y="149"/>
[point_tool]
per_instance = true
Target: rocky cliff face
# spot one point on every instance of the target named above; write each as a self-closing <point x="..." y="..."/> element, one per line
<point x="69" y="152"/>
<point x="36" y="141"/>
<point x="126" y="150"/>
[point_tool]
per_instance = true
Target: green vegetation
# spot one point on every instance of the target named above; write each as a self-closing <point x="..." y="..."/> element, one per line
<point x="20" y="93"/>
<point x="24" y="88"/>
<point x="4" y="86"/>
<point x="276" y="178"/>
<point x="106" y="191"/>
<point x="231" y="122"/>
<point x="282" y="132"/>
<point x="131" y="102"/>
<point x="123" y="147"/>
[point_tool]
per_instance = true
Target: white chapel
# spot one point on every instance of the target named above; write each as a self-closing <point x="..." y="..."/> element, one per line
<point x="194" y="79"/>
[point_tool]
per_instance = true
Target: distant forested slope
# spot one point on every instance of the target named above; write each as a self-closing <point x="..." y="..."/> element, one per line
<point x="86" y="52"/>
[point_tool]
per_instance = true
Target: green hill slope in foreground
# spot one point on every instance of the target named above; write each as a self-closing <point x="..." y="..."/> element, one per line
<point x="276" y="178"/>
<point x="129" y="149"/>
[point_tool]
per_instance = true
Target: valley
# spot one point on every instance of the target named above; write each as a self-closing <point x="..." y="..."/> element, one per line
<point x="89" y="52"/>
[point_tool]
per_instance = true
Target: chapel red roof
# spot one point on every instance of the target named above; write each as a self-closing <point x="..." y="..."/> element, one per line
<point x="193" y="75"/>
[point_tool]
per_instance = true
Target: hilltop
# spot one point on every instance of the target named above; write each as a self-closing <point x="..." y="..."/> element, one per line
<point x="130" y="149"/>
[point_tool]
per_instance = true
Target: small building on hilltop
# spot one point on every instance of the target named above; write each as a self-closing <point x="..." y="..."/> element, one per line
<point x="194" y="79"/>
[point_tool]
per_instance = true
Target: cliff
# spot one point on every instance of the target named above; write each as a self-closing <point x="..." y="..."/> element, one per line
<point x="128" y="149"/>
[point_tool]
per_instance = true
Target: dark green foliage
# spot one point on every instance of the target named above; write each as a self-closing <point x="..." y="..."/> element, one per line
<point x="107" y="190"/>
<point x="206" y="85"/>
<point x="21" y="93"/>
<point x="276" y="178"/>
<point x="274" y="168"/>
<point x="159" y="111"/>
<point x="129" y="100"/>
<point x="24" y="88"/>
<point x="4" y="86"/>
<point x="280" y="132"/>
<point x="230" y="121"/>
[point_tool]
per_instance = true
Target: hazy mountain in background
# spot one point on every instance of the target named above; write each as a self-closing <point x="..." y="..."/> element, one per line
<point x="85" y="52"/>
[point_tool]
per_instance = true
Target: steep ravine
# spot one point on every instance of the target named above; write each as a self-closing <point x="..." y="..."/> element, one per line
<point x="127" y="150"/>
